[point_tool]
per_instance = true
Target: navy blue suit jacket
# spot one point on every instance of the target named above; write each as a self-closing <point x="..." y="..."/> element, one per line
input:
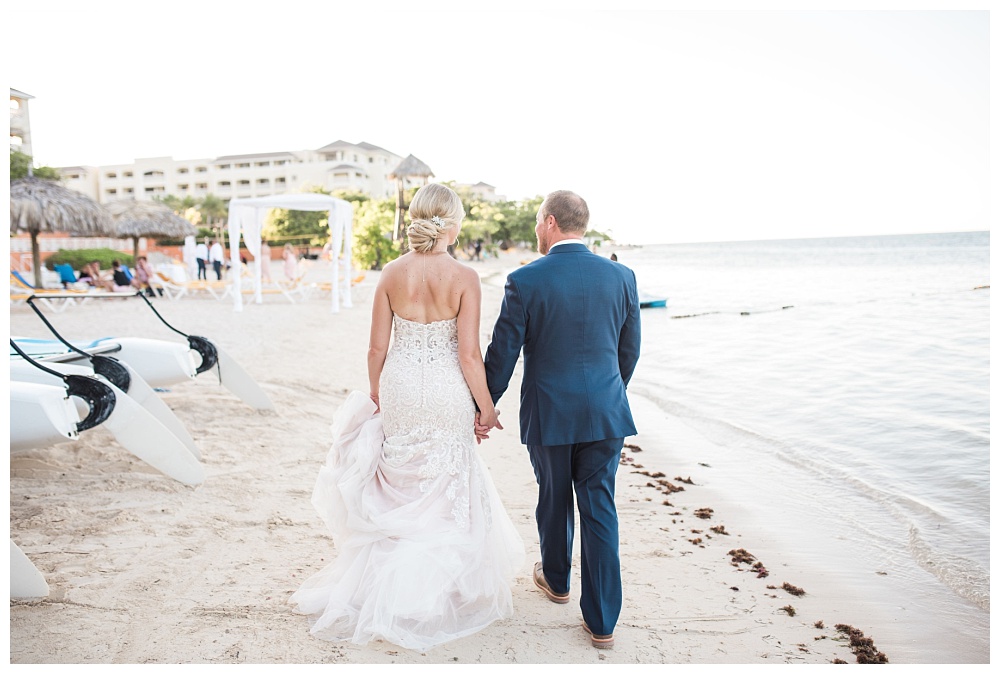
<point x="576" y="315"/>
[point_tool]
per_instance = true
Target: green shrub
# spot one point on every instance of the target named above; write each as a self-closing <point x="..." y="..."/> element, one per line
<point x="373" y="246"/>
<point x="78" y="258"/>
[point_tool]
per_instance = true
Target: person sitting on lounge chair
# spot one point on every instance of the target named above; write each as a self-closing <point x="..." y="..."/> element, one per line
<point x="66" y="274"/>
<point x="121" y="278"/>
<point x="143" y="273"/>
<point x="91" y="275"/>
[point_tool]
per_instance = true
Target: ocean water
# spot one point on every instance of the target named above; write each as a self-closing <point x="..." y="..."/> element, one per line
<point x="857" y="369"/>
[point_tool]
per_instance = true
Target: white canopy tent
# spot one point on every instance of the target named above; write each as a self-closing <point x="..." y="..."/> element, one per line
<point x="247" y="216"/>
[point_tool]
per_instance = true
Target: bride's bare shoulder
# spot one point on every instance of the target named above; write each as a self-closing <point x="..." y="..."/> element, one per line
<point x="466" y="275"/>
<point x="398" y="265"/>
<point x="398" y="262"/>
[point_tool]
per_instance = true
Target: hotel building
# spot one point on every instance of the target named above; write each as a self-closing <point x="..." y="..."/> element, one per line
<point x="20" y="123"/>
<point x="355" y="167"/>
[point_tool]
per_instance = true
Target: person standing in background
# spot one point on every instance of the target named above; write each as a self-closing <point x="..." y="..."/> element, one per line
<point x="216" y="255"/>
<point x="201" y="256"/>
<point x="265" y="262"/>
<point x="291" y="262"/>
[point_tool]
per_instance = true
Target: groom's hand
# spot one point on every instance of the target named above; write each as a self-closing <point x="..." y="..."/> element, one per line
<point x="483" y="431"/>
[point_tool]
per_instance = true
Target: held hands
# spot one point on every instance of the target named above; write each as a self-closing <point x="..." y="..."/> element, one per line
<point x="486" y="420"/>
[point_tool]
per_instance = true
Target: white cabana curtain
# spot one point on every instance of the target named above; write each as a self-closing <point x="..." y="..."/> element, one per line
<point x="246" y="217"/>
<point x="191" y="265"/>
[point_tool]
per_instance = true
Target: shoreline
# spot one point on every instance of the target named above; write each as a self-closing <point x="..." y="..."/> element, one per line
<point x="143" y="569"/>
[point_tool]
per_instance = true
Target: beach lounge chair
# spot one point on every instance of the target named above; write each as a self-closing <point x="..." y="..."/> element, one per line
<point x="174" y="290"/>
<point x="165" y="285"/>
<point x="21" y="290"/>
<point x="289" y="289"/>
<point x="324" y="287"/>
<point x="220" y="290"/>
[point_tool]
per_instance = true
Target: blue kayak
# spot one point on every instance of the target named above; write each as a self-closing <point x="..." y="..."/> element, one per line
<point x="650" y="301"/>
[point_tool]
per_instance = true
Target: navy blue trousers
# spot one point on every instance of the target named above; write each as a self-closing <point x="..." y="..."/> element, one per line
<point x="589" y="469"/>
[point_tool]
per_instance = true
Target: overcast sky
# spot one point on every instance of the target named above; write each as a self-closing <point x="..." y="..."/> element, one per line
<point x="674" y="125"/>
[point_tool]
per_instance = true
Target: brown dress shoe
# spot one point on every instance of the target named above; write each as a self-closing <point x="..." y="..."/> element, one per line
<point x="543" y="585"/>
<point x="599" y="640"/>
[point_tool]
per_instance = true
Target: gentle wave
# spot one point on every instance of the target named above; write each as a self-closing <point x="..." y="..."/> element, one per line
<point x="964" y="576"/>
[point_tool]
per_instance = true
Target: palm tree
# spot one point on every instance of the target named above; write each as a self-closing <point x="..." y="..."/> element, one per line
<point x="212" y="208"/>
<point x="177" y="204"/>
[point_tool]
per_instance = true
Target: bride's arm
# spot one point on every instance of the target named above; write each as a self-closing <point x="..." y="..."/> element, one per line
<point x="469" y="355"/>
<point x="378" y="341"/>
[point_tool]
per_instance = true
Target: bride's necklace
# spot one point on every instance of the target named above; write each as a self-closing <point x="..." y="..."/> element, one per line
<point x="423" y="262"/>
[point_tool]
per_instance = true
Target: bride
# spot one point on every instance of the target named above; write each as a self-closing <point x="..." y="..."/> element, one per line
<point x="426" y="549"/>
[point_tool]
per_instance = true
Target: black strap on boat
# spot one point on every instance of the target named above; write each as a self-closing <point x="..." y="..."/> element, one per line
<point x="209" y="354"/>
<point x="107" y="367"/>
<point x="100" y="397"/>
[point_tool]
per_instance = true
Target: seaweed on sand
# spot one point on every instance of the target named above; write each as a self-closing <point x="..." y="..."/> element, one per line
<point x="863" y="647"/>
<point x="741" y="556"/>
<point x="791" y="589"/>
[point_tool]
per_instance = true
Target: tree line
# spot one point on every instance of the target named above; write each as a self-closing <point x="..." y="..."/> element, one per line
<point x="497" y="224"/>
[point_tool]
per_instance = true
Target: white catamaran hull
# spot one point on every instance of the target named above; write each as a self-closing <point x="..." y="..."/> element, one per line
<point x="159" y="363"/>
<point x="41" y="415"/>
<point x="139" y="390"/>
<point x="26" y="581"/>
<point x="132" y="425"/>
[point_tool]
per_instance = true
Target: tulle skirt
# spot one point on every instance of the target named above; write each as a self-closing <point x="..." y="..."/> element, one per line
<point x="425" y="556"/>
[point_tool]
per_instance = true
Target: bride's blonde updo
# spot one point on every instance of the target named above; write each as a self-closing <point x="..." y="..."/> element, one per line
<point x="435" y="209"/>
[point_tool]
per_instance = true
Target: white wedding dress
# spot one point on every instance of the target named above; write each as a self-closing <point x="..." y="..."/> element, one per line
<point x="425" y="548"/>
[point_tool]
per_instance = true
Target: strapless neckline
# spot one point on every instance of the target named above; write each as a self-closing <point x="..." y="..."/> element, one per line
<point x="443" y="320"/>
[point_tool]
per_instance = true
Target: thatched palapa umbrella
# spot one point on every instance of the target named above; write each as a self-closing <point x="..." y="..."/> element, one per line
<point x="38" y="205"/>
<point x="411" y="167"/>
<point x="135" y="219"/>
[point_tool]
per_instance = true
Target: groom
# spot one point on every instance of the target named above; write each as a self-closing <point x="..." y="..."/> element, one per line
<point x="576" y="315"/>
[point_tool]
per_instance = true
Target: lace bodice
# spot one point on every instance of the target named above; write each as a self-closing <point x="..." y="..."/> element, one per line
<point x="427" y="408"/>
<point x="422" y="389"/>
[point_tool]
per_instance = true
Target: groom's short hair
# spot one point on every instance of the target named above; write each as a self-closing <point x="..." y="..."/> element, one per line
<point x="569" y="209"/>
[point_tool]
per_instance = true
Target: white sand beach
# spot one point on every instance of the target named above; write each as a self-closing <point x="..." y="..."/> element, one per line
<point x="143" y="569"/>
